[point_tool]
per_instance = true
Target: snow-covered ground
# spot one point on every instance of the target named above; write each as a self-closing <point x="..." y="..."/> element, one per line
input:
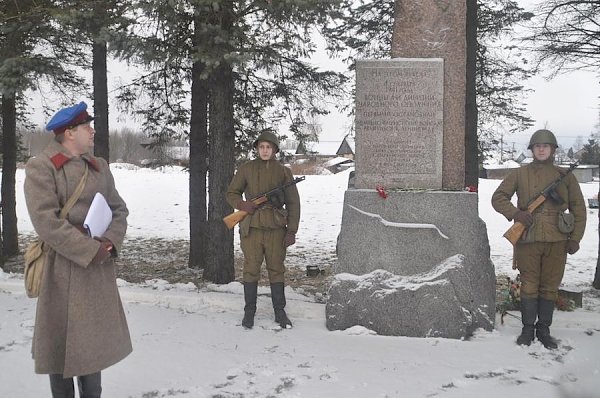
<point x="189" y="343"/>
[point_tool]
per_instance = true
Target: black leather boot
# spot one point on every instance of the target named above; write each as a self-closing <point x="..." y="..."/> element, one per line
<point x="250" y="293"/>
<point x="278" y="298"/>
<point x="542" y="328"/>
<point x="61" y="387"/>
<point x="529" y="313"/>
<point x="90" y="386"/>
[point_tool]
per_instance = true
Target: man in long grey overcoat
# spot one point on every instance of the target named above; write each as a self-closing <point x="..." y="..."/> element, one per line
<point x="80" y="325"/>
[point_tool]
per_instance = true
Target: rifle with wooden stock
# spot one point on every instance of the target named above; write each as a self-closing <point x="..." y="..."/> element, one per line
<point x="514" y="233"/>
<point x="234" y="218"/>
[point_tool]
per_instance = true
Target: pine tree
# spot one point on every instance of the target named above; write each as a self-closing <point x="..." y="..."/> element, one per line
<point x="93" y="24"/>
<point x="248" y="59"/>
<point x="26" y="35"/>
<point x="591" y="152"/>
<point x="9" y="169"/>
<point x="199" y="231"/>
<point x="264" y="50"/>
<point x="167" y="43"/>
<point x="219" y="263"/>
<point x="501" y="70"/>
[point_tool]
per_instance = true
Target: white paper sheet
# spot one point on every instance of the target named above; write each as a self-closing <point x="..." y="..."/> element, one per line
<point x="99" y="216"/>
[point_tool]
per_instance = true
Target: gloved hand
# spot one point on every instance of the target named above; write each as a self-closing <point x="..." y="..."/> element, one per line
<point x="289" y="239"/>
<point x="572" y="246"/>
<point x="109" y="245"/>
<point x="524" y="217"/>
<point x="247" y="206"/>
<point x="103" y="252"/>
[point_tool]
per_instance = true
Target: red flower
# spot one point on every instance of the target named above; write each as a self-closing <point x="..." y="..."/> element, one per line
<point x="381" y="191"/>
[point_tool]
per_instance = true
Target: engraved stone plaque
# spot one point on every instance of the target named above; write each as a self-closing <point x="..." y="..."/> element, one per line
<point x="399" y="123"/>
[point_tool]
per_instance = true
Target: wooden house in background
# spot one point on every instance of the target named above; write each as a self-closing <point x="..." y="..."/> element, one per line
<point x="327" y="149"/>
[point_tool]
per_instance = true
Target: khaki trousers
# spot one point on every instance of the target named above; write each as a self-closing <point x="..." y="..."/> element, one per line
<point x="542" y="266"/>
<point x="263" y="244"/>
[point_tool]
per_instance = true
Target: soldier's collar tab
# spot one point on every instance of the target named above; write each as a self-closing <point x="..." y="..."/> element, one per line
<point x="60" y="159"/>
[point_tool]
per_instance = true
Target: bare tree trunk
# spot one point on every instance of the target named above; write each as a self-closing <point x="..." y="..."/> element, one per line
<point x="101" y="147"/>
<point x="219" y="266"/>
<point x="471" y="147"/>
<point x="596" y="283"/>
<point x="198" y="169"/>
<point x="9" y="168"/>
<point x="1" y="244"/>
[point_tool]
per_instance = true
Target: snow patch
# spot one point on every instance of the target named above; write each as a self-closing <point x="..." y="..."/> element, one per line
<point x="400" y="225"/>
<point x="391" y="282"/>
<point x="359" y="331"/>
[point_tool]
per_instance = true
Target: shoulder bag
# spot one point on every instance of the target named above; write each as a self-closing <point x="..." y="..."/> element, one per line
<point x="36" y="253"/>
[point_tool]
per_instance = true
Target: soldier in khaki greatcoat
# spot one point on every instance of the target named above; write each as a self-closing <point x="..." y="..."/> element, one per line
<point x="80" y="326"/>
<point x="542" y="253"/>
<point x="268" y="230"/>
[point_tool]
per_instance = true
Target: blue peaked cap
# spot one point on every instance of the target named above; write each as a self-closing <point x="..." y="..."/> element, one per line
<point x="69" y="117"/>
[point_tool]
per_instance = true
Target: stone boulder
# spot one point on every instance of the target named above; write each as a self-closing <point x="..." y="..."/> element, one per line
<point x="437" y="303"/>
<point x="409" y="234"/>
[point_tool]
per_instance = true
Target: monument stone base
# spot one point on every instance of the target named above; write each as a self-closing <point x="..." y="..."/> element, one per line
<point x="414" y="264"/>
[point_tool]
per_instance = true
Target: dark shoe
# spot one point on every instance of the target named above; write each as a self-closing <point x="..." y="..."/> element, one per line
<point x="61" y="387"/>
<point x="90" y="386"/>
<point x="548" y="341"/>
<point x="278" y="298"/>
<point x="529" y="313"/>
<point x="526" y="337"/>
<point x="542" y="327"/>
<point x="250" y="293"/>
<point x="282" y="319"/>
<point x="248" y="321"/>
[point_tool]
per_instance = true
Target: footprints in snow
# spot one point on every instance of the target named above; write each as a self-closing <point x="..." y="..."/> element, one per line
<point x="253" y="380"/>
<point x="512" y="375"/>
<point x="27" y="329"/>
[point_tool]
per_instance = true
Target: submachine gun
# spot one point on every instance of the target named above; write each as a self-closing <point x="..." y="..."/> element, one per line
<point x="234" y="218"/>
<point x="514" y="233"/>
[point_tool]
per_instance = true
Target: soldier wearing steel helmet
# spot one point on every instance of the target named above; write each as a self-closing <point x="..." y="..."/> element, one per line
<point x="541" y="255"/>
<point x="267" y="230"/>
